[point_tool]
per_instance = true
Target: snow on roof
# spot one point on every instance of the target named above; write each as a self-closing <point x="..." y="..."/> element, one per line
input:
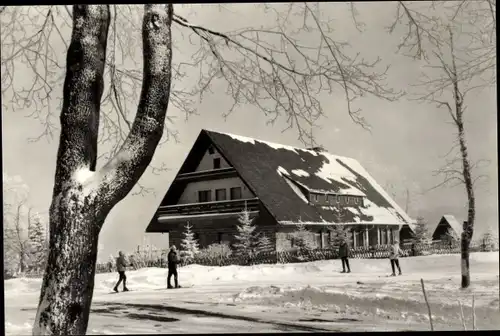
<point x="296" y="190"/>
<point x="260" y="163"/>
<point x="300" y="172"/>
<point x="281" y="176"/>
<point x="455" y="225"/>
<point x="271" y="144"/>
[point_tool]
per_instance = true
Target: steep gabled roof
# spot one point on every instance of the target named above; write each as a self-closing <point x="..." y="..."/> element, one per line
<point x="452" y="221"/>
<point x="277" y="173"/>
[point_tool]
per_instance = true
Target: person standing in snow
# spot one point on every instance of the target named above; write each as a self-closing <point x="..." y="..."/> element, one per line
<point x="173" y="260"/>
<point x="394" y="257"/>
<point x="121" y="265"/>
<point x="344" y="255"/>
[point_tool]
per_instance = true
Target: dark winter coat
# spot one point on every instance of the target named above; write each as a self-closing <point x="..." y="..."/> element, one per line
<point x="121" y="264"/>
<point x="343" y="250"/>
<point x="173" y="259"/>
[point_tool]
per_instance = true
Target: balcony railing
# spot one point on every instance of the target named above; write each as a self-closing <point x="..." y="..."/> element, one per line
<point x="252" y="204"/>
<point x="207" y="174"/>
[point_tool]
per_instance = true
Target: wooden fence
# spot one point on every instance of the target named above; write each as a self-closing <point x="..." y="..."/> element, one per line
<point x="157" y="258"/>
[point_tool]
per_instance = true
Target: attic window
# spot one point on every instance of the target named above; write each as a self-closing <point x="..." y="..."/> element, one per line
<point x="211" y="150"/>
<point x="216" y="163"/>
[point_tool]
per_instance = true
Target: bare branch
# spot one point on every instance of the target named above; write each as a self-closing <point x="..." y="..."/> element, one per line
<point x="354" y="13"/>
<point x="125" y="169"/>
<point x="283" y="72"/>
<point x="277" y="69"/>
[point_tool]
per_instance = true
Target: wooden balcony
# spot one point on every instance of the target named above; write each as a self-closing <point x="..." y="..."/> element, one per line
<point x="204" y="175"/>
<point x="230" y="206"/>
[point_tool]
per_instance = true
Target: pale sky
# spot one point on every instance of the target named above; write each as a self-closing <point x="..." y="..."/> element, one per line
<point x="403" y="149"/>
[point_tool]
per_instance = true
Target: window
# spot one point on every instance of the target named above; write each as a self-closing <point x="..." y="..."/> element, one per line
<point x="225" y="238"/>
<point x="324" y="239"/>
<point x="331" y="199"/>
<point x="204" y="196"/>
<point x="220" y="194"/>
<point x="216" y="163"/>
<point x="317" y="238"/>
<point x="314" y="197"/>
<point x="235" y="193"/>
<point x="211" y="150"/>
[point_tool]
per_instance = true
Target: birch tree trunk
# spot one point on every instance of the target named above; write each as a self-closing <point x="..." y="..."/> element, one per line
<point x="83" y="197"/>
<point x="468" y="226"/>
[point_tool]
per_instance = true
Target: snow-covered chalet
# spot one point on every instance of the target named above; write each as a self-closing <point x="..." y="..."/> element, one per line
<point x="281" y="186"/>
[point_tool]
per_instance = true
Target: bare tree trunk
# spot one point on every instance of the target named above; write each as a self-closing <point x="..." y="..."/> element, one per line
<point x="83" y="198"/>
<point x="20" y="239"/>
<point x="468" y="226"/>
<point x="75" y="216"/>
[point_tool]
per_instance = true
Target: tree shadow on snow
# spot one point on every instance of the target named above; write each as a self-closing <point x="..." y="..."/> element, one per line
<point x="342" y="319"/>
<point x="121" y="310"/>
<point x="202" y="313"/>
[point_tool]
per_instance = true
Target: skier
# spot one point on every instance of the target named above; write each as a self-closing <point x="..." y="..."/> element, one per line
<point x="121" y="264"/>
<point x="173" y="260"/>
<point x="344" y="255"/>
<point x="395" y="253"/>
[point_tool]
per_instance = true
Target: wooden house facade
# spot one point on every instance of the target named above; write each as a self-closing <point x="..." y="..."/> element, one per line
<point x="281" y="186"/>
<point x="446" y="223"/>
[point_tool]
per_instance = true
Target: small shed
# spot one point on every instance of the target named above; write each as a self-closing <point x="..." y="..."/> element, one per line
<point x="447" y="222"/>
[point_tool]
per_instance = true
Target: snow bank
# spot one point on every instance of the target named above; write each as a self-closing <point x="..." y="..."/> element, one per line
<point x="17" y="329"/>
<point x="22" y="285"/>
<point x="324" y="271"/>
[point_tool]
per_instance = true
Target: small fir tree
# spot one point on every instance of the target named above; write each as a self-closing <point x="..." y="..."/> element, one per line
<point x="247" y="239"/>
<point x="189" y="245"/>
<point x="451" y="237"/>
<point x="422" y="235"/>
<point x="265" y="244"/>
<point x="37" y="244"/>
<point x="302" y="238"/>
<point x="340" y="233"/>
<point x="489" y="241"/>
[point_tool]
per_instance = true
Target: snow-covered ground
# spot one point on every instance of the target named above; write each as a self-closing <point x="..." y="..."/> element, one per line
<point x="292" y="297"/>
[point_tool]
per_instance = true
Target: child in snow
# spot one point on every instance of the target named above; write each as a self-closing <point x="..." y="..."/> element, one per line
<point x="344" y="255"/>
<point x="121" y="265"/>
<point x="394" y="255"/>
<point x="173" y="260"/>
